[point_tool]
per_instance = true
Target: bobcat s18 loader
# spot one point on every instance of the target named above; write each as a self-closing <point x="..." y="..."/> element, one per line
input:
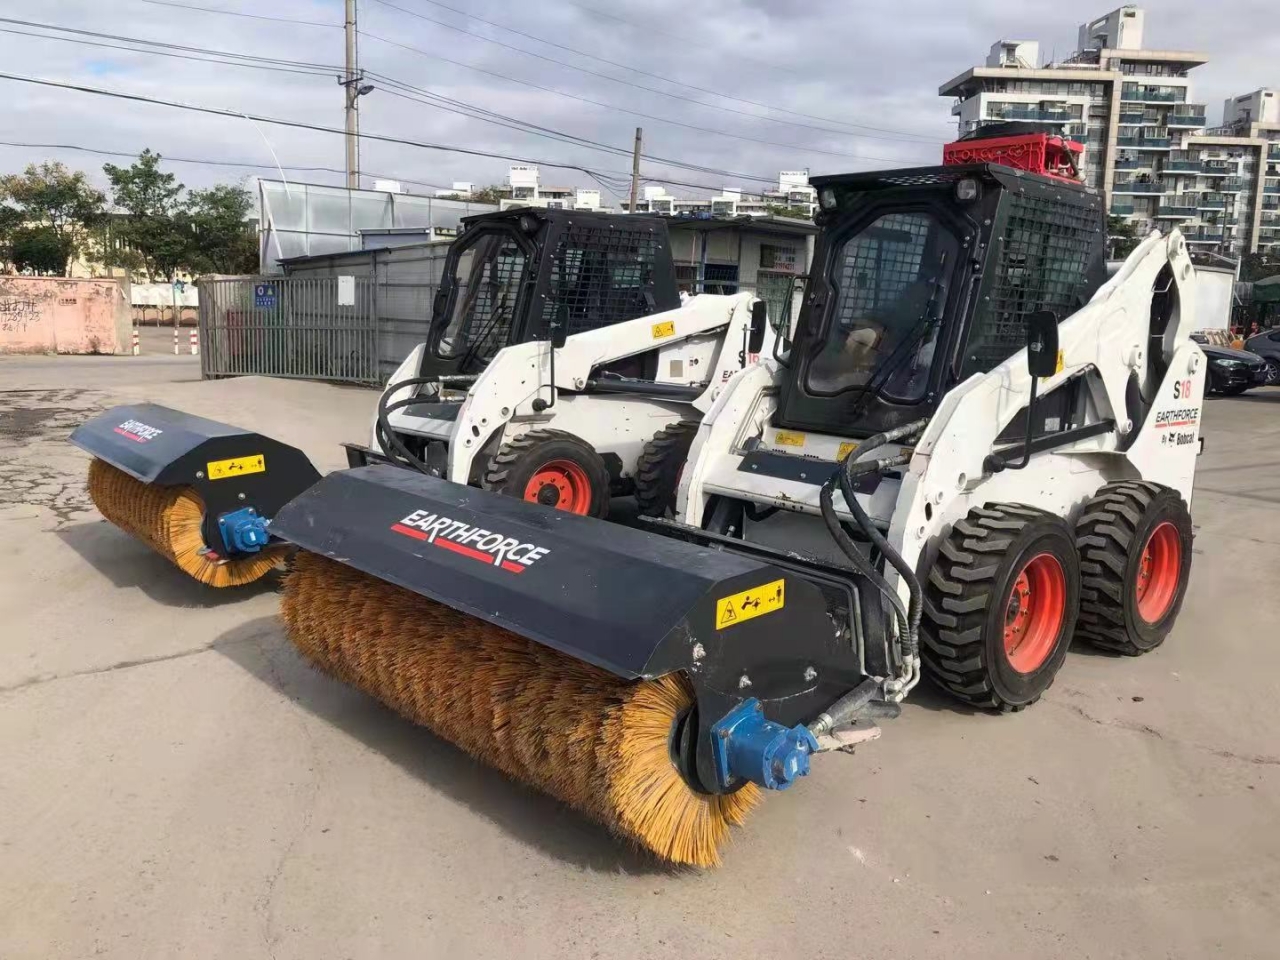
<point x="998" y="445"/>
<point x="525" y="285"/>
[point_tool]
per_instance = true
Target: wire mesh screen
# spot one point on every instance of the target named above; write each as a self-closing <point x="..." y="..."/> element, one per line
<point x="879" y="264"/>
<point x="1043" y="260"/>
<point x="600" y="275"/>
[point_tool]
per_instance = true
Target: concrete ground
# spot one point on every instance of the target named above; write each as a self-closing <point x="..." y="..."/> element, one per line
<point x="177" y="782"/>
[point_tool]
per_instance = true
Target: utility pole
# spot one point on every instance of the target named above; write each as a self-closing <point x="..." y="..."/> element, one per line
<point x="351" y="87"/>
<point x="635" y="170"/>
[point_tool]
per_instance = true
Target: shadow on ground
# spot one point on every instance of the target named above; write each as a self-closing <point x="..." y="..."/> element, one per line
<point x="261" y="649"/>
<point x="127" y="562"/>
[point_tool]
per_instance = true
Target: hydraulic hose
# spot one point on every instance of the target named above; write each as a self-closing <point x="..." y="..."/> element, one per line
<point x="850" y="549"/>
<point x="392" y="445"/>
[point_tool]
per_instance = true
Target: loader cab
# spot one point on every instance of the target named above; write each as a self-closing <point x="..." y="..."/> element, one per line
<point x="922" y="278"/>
<point x="541" y="274"/>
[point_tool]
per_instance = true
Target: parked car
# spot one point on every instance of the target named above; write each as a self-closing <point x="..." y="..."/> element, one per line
<point x="1232" y="372"/>
<point x="1267" y="346"/>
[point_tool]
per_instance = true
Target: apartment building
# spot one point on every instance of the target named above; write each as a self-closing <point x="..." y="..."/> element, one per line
<point x="793" y="193"/>
<point x="1254" y="119"/>
<point x="1147" y="145"/>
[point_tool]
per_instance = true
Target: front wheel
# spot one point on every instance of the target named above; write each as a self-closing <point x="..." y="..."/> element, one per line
<point x="551" y="468"/>
<point x="1134" y="539"/>
<point x="1000" y="606"/>
<point x="1273" y="372"/>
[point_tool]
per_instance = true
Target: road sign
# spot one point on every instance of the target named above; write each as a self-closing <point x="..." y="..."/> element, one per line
<point x="264" y="295"/>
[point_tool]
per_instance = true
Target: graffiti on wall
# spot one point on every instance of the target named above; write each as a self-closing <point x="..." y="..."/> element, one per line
<point x="16" y="313"/>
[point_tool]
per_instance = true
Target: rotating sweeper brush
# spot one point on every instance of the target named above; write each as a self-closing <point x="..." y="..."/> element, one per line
<point x="635" y="676"/>
<point x="198" y="492"/>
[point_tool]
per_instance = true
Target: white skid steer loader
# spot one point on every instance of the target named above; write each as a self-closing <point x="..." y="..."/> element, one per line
<point x="556" y="422"/>
<point x="997" y="439"/>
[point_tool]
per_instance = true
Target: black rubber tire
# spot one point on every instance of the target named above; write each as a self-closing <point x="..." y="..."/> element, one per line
<point x="1110" y="534"/>
<point x="658" y="469"/>
<point x="513" y="466"/>
<point x="1273" y="372"/>
<point x="965" y="596"/>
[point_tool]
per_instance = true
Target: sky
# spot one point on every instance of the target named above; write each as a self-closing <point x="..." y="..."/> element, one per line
<point x="743" y="88"/>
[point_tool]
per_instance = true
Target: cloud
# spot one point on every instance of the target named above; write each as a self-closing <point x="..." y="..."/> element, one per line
<point x="833" y="64"/>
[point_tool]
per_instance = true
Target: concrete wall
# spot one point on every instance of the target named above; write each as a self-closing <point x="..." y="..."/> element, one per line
<point x="52" y="315"/>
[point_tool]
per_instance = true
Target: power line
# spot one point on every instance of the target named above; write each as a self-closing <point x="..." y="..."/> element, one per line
<point x="201" y="54"/>
<point x="378" y="137"/>
<point x="327" y="68"/>
<point x="643" y="73"/>
<point x="237" y="13"/>
<point x="307" y="72"/>
<point x="635" y="113"/>
<point x="640" y="86"/>
<point x="242" y="164"/>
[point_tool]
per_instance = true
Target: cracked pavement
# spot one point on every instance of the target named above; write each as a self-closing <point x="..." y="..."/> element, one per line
<point x="176" y="782"/>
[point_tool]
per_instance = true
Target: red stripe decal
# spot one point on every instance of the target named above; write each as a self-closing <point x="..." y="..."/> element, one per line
<point x="125" y="433"/>
<point x="465" y="551"/>
<point x="408" y="531"/>
<point x="512" y="567"/>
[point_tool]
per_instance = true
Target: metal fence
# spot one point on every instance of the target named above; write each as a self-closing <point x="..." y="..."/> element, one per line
<point x="290" y="327"/>
<point x="293" y="325"/>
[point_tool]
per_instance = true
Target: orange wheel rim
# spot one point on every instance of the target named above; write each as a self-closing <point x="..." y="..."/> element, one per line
<point x="1159" y="571"/>
<point x="1034" y="611"/>
<point x="562" y="484"/>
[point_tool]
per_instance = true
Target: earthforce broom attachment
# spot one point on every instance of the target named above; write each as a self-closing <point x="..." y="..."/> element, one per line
<point x="654" y="684"/>
<point x="199" y="492"/>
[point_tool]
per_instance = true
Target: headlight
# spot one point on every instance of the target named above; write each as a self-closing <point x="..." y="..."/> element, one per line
<point x="827" y="198"/>
<point x="1224" y="362"/>
<point x="967" y="190"/>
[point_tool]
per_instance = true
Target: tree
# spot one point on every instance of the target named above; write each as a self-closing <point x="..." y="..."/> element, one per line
<point x="1122" y="239"/>
<point x="490" y="194"/>
<point x="221" y="239"/>
<point x="781" y="210"/>
<point x="150" y="237"/>
<point x="52" y="197"/>
<point x="38" y="249"/>
<point x="1259" y="266"/>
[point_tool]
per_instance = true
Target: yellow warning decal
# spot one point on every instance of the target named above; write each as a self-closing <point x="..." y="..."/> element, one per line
<point x="1061" y="363"/>
<point x="785" y="438"/>
<point x="750" y="604"/>
<point x="663" y="330"/>
<point x="236" y="467"/>
<point x="845" y="450"/>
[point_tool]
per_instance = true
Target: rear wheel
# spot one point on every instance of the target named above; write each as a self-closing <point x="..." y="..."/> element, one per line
<point x="658" y="469"/>
<point x="1000" y="606"/>
<point x="1134" y="539"/>
<point x="551" y="468"/>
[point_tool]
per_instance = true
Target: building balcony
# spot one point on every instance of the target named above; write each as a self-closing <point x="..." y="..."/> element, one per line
<point x="1185" y="120"/>
<point x="1230" y="185"/>
<point x="1134" y="186"/>
<point x="1154" y="143"/>
<point x="1151" y="96"/>
<point x="1273" y="151"/>
<point x="1182" y="166"/>
<point x="1214" y="204"/>
<point x="1133" y="163"/>
<point x="1132" y="118"/>
<point x="1031" y="113"/>
<point x="1218" y="169"/>
<point x="1271" y="188"/>
<point x="1122" y="209"/>
<point x="1203" y="236"/>
<point x="1175" y="213"/>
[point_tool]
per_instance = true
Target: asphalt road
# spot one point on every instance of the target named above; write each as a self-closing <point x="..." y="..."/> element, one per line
<point x="175" y="781"/>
